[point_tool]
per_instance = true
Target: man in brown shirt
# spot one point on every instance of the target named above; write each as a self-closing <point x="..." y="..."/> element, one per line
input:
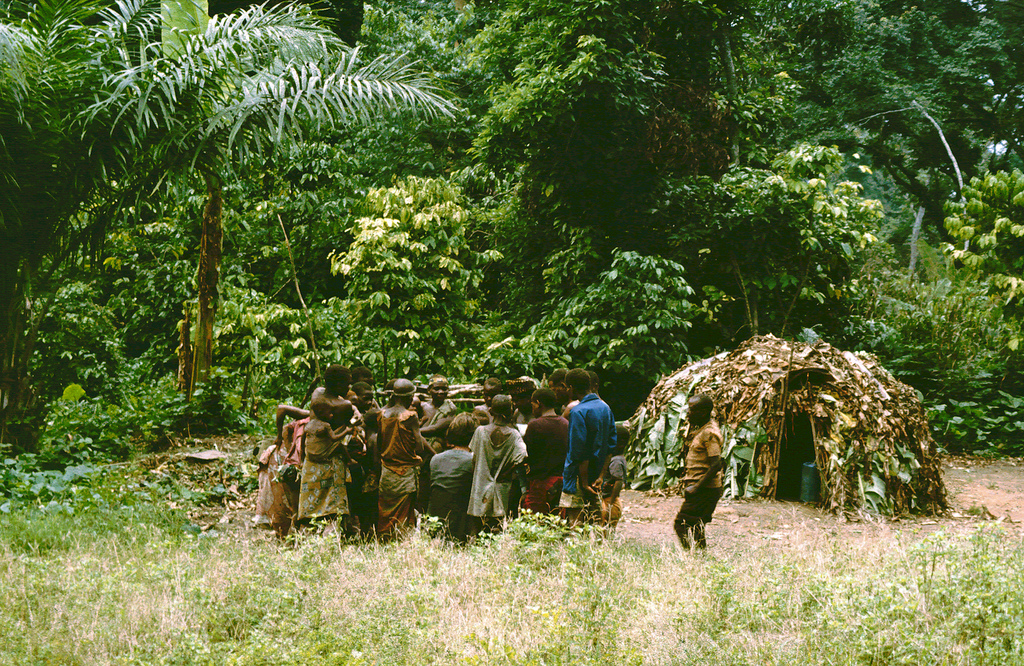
<point x="702" y="480"/>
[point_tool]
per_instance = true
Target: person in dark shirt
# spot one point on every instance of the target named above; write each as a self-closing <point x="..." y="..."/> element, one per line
<point x="451" y="478"/>
<point x="365" y="468"/>
<point x="546" y="437"/>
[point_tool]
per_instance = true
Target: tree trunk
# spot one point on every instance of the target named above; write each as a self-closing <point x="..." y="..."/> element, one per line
<point x="915" y="235"/>
<point x="12" y="385"/>
<point x="207" y="280"/>
<point x="732" y="88"/>
<point x="749" y="301"/>
<point x="185" y="350"/>
<point x="796" y="296"/>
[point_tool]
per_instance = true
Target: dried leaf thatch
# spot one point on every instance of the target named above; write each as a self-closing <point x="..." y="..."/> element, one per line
<point x="871" y="441"/>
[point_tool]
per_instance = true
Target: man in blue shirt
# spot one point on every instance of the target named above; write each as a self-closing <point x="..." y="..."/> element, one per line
<point x="591" y="444"/>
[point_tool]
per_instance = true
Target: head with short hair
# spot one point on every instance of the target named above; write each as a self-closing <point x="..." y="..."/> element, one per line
<point x="404" y="390"/>
<point x="595" y="383"/>
<point x="501" y="408"/>
<point x="543" y="400"/>
<point x="579" y="382"/>
<point x="521" y="389"/>
<point x="461" y="430"/>
<point x="623" y="435"/>
<point x="438" y="389"/>
<point x="362" y="374"/>
<point x="557" y="383"/>
<point x="337" y="378"/>
<point x="699" y="408"/>
<point x="364" y="395"/>
<point x="492" y="387"/>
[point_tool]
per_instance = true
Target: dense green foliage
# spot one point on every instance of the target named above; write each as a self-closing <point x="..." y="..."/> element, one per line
<point x="620" y="185"/>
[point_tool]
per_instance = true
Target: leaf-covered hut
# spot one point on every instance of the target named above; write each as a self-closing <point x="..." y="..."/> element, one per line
<point x="781" y="404"/>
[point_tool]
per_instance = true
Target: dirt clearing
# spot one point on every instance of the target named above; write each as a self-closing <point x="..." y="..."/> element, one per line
<point x="979" y="490"/>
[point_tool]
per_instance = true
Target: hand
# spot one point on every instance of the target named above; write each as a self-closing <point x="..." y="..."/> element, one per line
<point x="588" y="490"/>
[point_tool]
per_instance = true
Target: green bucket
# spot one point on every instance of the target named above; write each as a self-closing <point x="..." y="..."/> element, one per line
<point x="810" y="483"/>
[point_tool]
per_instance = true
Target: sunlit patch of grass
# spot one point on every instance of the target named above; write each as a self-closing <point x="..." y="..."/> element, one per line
<point x="148" y="592"/>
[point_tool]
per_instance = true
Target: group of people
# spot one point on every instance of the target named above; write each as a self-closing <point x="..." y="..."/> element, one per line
<point x="356" y="466"/>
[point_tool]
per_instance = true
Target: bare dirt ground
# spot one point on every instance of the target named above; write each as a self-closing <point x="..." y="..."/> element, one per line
<point x="979" y="490"/>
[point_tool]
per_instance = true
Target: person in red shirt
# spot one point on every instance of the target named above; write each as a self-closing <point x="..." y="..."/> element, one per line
<point x="546" y="438"/>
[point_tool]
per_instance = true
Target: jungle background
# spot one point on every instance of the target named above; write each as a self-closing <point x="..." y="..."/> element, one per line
<point x="198" y="214"/>
<point x="619" y="185"/>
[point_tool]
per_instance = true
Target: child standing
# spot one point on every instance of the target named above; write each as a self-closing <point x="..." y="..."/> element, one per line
<point x="611" y="502"/>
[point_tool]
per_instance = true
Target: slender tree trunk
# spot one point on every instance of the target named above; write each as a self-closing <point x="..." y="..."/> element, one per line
<point x="952" y="157"/>
<point x="295" y="278"/>
<point x="915" y="235"/>
<point x="11" y="381"/>
<point x="207" y="279"/>
<point x="725" y="44"/>
<point x="185" y="350"/>
<point x="796" y="297"/>
<point x="748" y="301"/>
<point x="22" y="312"/>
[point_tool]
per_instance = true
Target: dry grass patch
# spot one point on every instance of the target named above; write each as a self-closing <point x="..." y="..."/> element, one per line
<point x="151" y="593"/>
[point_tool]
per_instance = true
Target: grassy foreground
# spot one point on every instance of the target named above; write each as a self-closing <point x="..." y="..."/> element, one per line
<point x="136" y="587"/>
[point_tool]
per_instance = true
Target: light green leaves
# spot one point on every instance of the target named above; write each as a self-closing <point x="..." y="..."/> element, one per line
<point x="179" y="19"/>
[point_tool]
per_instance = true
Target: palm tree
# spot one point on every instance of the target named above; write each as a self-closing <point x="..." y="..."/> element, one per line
<point x="46" y="173"/>
<point x="118" y="112"/>
<point x="238" y="85"/>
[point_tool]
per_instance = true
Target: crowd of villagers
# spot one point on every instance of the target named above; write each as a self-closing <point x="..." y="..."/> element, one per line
<point x="349" y="464"/>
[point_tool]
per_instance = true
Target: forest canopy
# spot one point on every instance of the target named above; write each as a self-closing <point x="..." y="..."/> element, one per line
<point x="193" y="227"/>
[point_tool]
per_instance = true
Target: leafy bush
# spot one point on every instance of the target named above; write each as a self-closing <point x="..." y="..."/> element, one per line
<point x="990" y="425"/>
<point x="948" y="339"/>
<point x="633" y="318"/>
<point x="24" y="486"/>
<point x="79" y="342"/>
<point x="92" y="430"/>
<point x="414" y="274"/>
<point x="770" y="249"/>
<point x="991" y="219"/>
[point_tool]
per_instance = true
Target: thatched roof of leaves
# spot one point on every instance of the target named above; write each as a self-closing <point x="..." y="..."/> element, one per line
<point x="873" y="448"/>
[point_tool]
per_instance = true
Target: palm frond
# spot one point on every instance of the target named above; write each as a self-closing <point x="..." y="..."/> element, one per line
<point x="342" y="93"/>
<point x="257" y="36"/>
<point x="129" y="25"/>
<point x="19" y="51"/>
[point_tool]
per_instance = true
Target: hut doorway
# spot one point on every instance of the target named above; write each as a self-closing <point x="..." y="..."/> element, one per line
<point x="796" y="449"/>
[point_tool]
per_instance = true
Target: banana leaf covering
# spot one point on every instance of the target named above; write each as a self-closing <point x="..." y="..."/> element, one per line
<point x="871" y="442"/>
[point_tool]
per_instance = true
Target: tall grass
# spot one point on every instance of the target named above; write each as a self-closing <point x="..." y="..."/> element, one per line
<point x="147" y="592"/>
